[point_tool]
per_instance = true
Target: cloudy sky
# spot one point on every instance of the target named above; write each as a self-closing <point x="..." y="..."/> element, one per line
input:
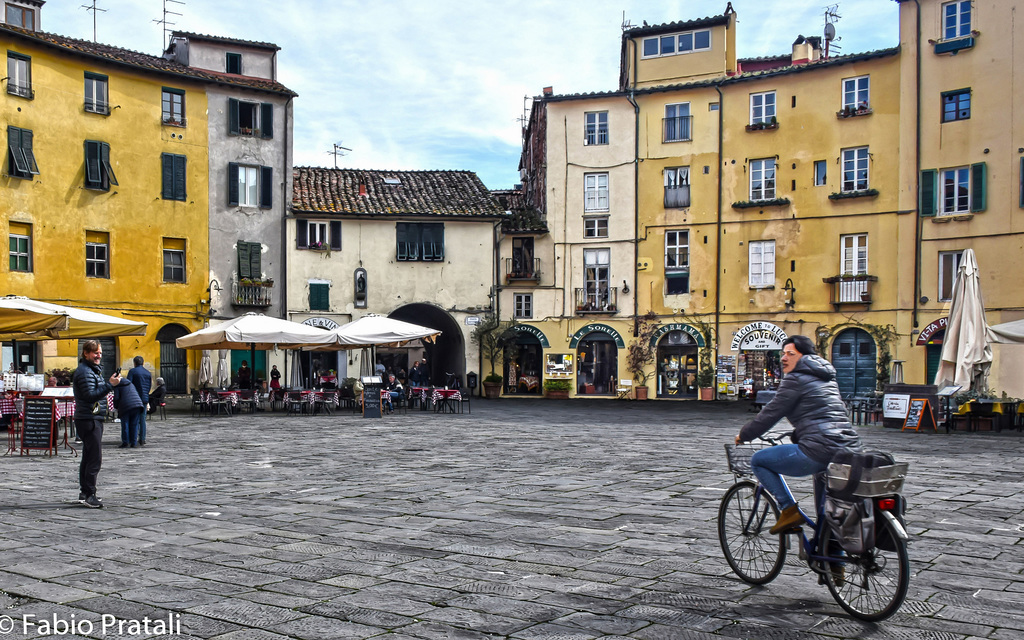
<point x="441" y="84"/>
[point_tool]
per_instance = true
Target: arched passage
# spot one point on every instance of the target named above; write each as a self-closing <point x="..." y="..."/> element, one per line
<point x="447" y="354"/>
<point x="173" y="361"/>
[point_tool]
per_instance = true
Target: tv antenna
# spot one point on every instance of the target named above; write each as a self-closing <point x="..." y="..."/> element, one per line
<point x="626" y="24"/>
<point x="831" y="17"/>
<point x="167" y="23"/>
<point x="92" y="7"/>
<point x="336" y="152"/>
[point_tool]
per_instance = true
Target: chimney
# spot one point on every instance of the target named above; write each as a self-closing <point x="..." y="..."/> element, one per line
<point x="806" y="50"/>
<point x="362" y="190"/>
<point x="549" y="91"/>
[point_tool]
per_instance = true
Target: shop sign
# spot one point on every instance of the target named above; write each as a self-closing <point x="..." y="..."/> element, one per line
<point x="759" y="336"/>
<point x="678" y="326"/>
<point x="323" y="323"/>
<point x="472" y="320"/>
<point x="591" y="328"/>
<point x="535" y="332"/>
<point x="926" y="334"/>
<point x="895" y="405"/>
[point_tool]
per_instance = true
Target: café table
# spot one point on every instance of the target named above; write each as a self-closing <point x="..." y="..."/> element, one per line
<point x="446" y="400"/>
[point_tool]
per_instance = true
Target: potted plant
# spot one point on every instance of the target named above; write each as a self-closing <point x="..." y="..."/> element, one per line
<point x="557" y="389"/>
<point x="706" y="376"/>
<point x="641" y="354"/>
<point x="495" y="339"/>
<point x="492" y="385"/>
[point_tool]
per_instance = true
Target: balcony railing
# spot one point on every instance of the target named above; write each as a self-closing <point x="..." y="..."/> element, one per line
<point x="23" y="90"/>
<point x="676" y="129"/>
<point x="253" y="293"/>
<point x="677" y="197"/>
<point x="101" y="108"/>
<point x="174" y="120"/>
<point x="519" y="270"/>
<point x="850" y="289"/>
<point x="593" y="299"/>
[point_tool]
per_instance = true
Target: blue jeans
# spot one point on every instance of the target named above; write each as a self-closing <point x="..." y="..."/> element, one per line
<point x="771" y="463"/>
<point x="130" y="426"/>
<point x="142" y="425"/>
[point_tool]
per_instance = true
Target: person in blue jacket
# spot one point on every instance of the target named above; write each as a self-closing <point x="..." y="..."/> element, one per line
<point x="90" y="408"/>
<point x="129" y="408"/>
<point x="143" y="381"/>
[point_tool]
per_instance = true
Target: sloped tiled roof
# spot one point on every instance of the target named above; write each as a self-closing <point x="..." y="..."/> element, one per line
<point x="418" y="193"/>
<point x="141" y="61"/>
<point x="225" y="40"/>
<point x="668" y="27"/>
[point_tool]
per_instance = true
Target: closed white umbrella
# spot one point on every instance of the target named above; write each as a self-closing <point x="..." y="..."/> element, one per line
<point x="296" y="374"/>
<point x="1007" y="333"/>
<point x="966" y="354"/>
<point x="223" y="370"/>
<point x="205" y="370"/>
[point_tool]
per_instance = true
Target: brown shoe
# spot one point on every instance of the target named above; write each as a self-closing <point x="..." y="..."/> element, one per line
<point x="790" y="518"/>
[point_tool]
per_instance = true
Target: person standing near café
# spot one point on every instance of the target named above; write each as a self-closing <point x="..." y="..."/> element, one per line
<point x="129" y="408"/>
<point x="90" y="408"/>
<point x="143" y="381"/>
<point x="244" y="375"/>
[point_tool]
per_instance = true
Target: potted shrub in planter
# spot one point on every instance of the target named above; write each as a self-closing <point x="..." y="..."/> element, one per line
<point x="641" y="354"/>
<point x="706" y="376"/>
<point x="496" y="340"/>
<point x="492" y="385"/>
<point x="557" y="389"/>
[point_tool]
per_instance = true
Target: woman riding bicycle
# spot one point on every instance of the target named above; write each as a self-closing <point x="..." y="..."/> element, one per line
<point x="809" y="397"/>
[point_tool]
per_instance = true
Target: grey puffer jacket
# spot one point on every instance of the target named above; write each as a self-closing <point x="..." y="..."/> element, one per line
<point x="90" y="388"/>
<point x="809" y="397"/>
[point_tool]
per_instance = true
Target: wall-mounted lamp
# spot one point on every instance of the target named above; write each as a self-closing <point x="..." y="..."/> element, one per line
<point x="790" y="292"/>
<point x="213" y="286"/>
<point x="625" y="287"/>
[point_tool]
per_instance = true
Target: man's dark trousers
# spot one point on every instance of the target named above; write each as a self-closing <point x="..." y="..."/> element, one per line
<point x="90" y="431"/>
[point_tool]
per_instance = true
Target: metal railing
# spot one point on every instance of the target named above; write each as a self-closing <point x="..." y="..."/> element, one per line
<point x="23" y="90"/>
<point x="850" y="289"/>
<point x="252" y="295"/>
<point x="518" y="269"/>
<point x="676" y="129"/>
<point x="591" y="299"/>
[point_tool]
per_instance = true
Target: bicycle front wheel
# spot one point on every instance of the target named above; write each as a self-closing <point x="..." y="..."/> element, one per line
<point x="872" y="585"/>
<point x="744" y="519"/>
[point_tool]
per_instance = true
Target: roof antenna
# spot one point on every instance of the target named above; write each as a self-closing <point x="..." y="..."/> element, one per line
<point x="831" y="17"/>
<point x="94" y="9"/>
<point x="338" y="149"/>
<point x="167" y="23"/>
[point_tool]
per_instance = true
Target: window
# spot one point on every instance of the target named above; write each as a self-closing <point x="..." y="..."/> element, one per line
<point x="762" y="108"/>
<point x="677" y="262"/>
<point x="319" y="296"/>
<point x="173" y="107"/>
<point x="172" y="172"/>
<point x="949" y="264"/>
<point x="317" y="234"/>
<point x="956" y="19"/>
<point x="523" y="304"/>
<point x="855" y="93"/>
<point x="762" y="263"/>
<point x="21" y="247"/>
<point x="596" y="129"/>
<point x="677" y="43"/>
<point x="250" y="186"/>
<point x="677" y="187"/>
<point x="420" y="241"/>
<point x="953" y="191"/>
<point x="956" y="105"/>
<point x="855" y="169"/>
<point x="595" y="192"/>
<point x="251" y="118"/>
<point x="21" y="17"/>
<point x="762" y="179"/>
<point x="99" y="174"/>
<point x="820" y="173"/>
<point x="96" y="93"/>
<point x="250" y="260"/>
<point x="21" y="161"/>
<point x="853" y="262"/>
<point x="596" y="275"/>
<point x="524" y="265"/>
<point x="19" y="75"/>
<point x="233" y="63"/>
<point x="595" y="227"/>
<point x="97" y="254"/>
<point x="677" y="122"/>
<point x="174" y="260"/>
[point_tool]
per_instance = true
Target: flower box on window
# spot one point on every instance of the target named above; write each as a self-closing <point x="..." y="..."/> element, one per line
<point x="863" y="193"/>
<point x="763" y="126"/>
<point x="752" y="204"/>
<point x="319" y="246"/>
<point x="851" y="112"/>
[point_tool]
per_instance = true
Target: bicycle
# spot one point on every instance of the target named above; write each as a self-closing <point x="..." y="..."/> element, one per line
<point x="870" y="586"/>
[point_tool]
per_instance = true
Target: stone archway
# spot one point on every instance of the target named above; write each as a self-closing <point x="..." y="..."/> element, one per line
<point x="173" y="361"/>
<point x="448" y="352"/>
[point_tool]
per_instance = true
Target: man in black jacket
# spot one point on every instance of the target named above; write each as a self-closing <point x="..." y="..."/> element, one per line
<point x="143" y="381"/>
<point x="90" y="408"/>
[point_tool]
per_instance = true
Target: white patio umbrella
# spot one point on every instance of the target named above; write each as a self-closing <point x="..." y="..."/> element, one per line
<point x="21" y="318"/>
<point x="966" y="354"/>
<point x="378" y="331"/>
<point x="1007" y="333"/>
<point x="205" y="370"/>
<point x="78" y="323"/>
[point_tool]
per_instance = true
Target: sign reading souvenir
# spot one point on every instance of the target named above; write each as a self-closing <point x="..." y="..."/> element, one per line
<point x="533" y="331"/>
<point x="759" y="336"/>
<point x="678" y="326"/>
<point x="323" y="323"/>
<point x="928" y="332"/>
<point x="598" y="328"/>
<point x="894" y="405"/>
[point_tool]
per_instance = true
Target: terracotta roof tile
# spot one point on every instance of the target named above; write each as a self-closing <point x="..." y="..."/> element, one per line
<point x="146" y="62"/>
<point x="419" y="193"/>
<point x="225" y="40"/>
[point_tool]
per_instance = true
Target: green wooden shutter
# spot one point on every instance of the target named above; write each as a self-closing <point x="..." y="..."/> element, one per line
<point x="232" y="183"/>
<point x="266" y="120"/>
<point x="244" y="261"/>
<point x="978" y="180"/>
<point x="233" y="126"/>
<point x="105" y="161"/>
<point x="256" y="259"/>
<point x="26" y="149"/>
<point x="301" y="234"/>
<point x="336" y="235"/>
<point x="180" y="192"/>
<point x="319" y="297"/>
<point x="401" y="241"/>
<point x="1021" y="178"/>
<point x="167" y="175"/>
<point x="266" y="187"/>
<point x="17" y="154"/>
<point x="927" y="203"/>
<point x="92" y="163"/>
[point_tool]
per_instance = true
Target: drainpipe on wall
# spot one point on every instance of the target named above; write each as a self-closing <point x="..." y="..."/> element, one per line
<point x="718" y="230"/>
<point x="917" y="176"/>
<point x="285" y="207"/>
<point x="636" y="206"/>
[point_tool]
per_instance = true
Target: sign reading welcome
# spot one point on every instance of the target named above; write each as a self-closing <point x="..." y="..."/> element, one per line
<point x="759" y="336"/>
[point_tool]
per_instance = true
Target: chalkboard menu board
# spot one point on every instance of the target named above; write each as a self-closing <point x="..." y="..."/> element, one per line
<point x="919" y="416"/>
<point x="39" y="431"/>
<point x="371" y="400"/>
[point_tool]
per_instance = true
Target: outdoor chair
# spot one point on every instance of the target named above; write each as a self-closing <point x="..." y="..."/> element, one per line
<point x="464" y="402"/>
<point x="198" y="403"/>
<point x="247" y="401"/>
<point x="218" y="404"/>
<point x="624" y="387"/>
<point x="293" y="403"/>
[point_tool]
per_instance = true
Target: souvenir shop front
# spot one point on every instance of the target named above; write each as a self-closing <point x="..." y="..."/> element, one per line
<point x="759" y="359"/>
<point x="677" y="346"/>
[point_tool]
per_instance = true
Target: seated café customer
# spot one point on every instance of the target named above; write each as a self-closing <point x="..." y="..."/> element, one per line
<point x="395" y="390"/>
<point x="156" y="396"/>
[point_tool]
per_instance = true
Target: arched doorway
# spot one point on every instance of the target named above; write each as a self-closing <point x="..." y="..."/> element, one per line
<point x="447" y="354"/>
<point x="597" y="361"/>
<point x="173" y="361"/>
<point x="523" y="372"/>
<point x="677" y="366"/>
<point x="933" y="353"/>
<point x="853" y="356"/>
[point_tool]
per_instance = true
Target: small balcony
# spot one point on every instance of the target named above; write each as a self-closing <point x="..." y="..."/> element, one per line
<point x="677" y="197"/>
<point x="519" y="270"/>
<point x="93" y="106"/>
<point x="850" y="289"/>
<point x="174" y="120"/>
<point x="252" y="293"/>
<point x="597" y="300"/>
<point x="676" y="129"/>
<point x="23" y="90"/>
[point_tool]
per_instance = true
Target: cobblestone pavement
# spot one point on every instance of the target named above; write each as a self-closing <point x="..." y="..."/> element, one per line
<point x="524" y="519"/>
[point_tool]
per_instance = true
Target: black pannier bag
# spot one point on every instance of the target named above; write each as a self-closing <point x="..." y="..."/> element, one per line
<point x="852" y="523"/>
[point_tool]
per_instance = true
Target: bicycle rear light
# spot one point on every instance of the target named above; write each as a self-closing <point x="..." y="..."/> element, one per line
<point x="886" y="504"/>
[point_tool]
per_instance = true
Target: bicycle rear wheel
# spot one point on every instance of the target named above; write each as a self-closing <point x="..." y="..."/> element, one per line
<point x="872" y="585"/>
<point x="754" y="554"/>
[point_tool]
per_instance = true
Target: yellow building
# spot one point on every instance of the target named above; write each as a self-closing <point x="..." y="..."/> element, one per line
<point x="104" y="192"/>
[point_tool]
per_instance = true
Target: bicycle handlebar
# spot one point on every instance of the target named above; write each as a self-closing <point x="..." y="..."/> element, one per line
<point x="776" y="439"/>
